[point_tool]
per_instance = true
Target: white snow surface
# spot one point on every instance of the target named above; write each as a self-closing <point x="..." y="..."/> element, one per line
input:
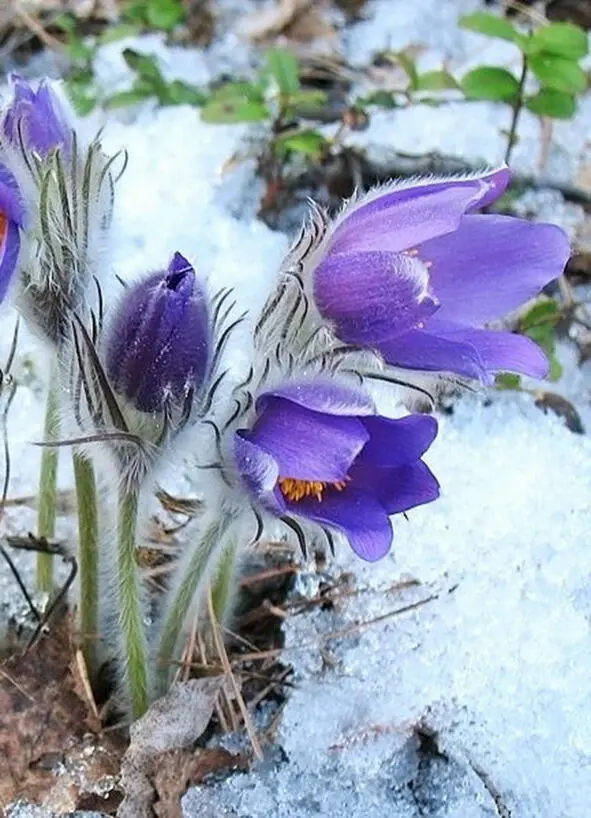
<point x="497" y="662"/>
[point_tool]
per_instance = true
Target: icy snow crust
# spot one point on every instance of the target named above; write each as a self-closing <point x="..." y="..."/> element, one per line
<point x="497" y="662"/>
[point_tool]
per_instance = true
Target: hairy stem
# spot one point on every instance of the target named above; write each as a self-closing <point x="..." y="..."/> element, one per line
<point x="129" y="609"/>
<point x="194" y="579"/>
<point x="46" y="503"/>
<point x="87" y="559"/>
<point x="517" y="108"/>
<point x="222" y="583"/>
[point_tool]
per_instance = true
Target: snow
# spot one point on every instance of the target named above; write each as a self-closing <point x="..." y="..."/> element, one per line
<point x="494" y="658"/>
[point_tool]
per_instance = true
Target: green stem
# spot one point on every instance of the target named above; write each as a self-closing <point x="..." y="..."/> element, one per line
<point x="131" y="628"/>
<point x="46" y="508"/>
<point x="87" y="559"/>
<point x="193" y="578"/>
<point x="222" y="584"/>
<point x="517" y="108"/>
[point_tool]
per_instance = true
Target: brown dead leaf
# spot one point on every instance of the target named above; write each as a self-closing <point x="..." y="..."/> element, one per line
<point x="274" y="20"/>
<point x="44" y="714"/>
<point x="172" y="723"/>
<point x="177" y="770"/>
<point x="561" y="407"/>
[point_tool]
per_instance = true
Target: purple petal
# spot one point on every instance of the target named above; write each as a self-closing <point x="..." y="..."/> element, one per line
<point x="11" y="203"/>
<point x="322" y="396"/>
<point x="39" y="117"/>
<point x="404" y="218"/>
<point x="428" y="352"/>
<point x="360" y="517"/>
<point x="158" y="343"/>
<point x="258" y="470"/>
<point x="9" y="250"/>
<point x="397" y="442"/>
<point x="398" y="489"/>
<point x="506" y="352"/>
<point x="370" y="296"/>
<point x="490" y="266"/>
<point x="307" y="445"/>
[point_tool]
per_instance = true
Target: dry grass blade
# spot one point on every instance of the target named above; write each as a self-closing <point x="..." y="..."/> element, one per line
<point x="219" y="642"/>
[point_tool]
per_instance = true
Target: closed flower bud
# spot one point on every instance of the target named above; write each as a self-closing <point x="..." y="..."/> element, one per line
<point x="157" y="347"/>
<point x="38" y="118"/>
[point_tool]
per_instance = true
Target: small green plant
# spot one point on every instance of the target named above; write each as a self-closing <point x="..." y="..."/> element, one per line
<point x="149" y="83"/>
<point x="551" y="54"/>
<point x="275" y="96"/>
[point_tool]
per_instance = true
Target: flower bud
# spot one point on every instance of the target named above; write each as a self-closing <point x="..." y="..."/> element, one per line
<point x="157" y="347"/>
<point x="38" y="117"/>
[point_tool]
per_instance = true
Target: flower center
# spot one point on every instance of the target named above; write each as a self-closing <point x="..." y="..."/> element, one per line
<point x="296" y="490"/>
<point x="3" y="227"/>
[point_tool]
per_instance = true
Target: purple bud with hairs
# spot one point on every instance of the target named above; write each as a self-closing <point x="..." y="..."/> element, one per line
<point x="38" y="117"/>
<point x="157" y="348"/>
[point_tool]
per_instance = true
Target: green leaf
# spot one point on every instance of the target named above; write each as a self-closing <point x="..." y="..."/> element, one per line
<point x="556" y="104"/>
<point x="381" y="99"/>
<point x="308" y="142"/>
<point x="180" y="93"/>
<point x="114" y="33"/>
<point x="490" y="83"/>
<point x="492" y="26"/>
<point x="408" y="66"/>
<point x="564" y="39"/>
<point x="79" y="51"/>
<point x="135" y="12"/>
<point x="164" y="14"/>
<point x="64" y="22"/>
<point x="435" y="81"/>
<point x="310" y="98"/>
<point x="558" y="73"/>
<point x="283" y="67"/>
<point x="122" y="99"/>
<point x="545" y="312"/>
<point x="233" y="110"/>
<point x="145" y="65"/>
<point x="82" y="96"/>
<point x="237" y="90"/>
<point x="555" y="370"/>
<point x="507" y="380"/>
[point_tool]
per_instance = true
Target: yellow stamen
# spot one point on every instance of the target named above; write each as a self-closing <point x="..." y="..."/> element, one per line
<point x="296" y="490"/>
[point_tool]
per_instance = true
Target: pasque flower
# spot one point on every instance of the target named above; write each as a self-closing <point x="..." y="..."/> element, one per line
<point x="415" y="273"/>
<point x="318" y="450"/>
<point x="157" y="346"/>
<point x="37" y="118"/>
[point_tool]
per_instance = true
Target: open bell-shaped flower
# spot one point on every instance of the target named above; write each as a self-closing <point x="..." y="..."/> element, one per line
<point x="157" y="348"/>
<point x="319" y="451"/>
<point x="416" y="273"/>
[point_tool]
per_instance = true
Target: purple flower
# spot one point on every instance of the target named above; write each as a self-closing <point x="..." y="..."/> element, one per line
<point x="415" y="274"/>
<point x="12" y="215"/>
<point x="319" y="451"/>
<point x="39" y="117"/>
<point x="157" y="347"/>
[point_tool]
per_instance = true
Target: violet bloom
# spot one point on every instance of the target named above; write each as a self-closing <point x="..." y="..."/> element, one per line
<point x="157" y="347"/>
<point x="414" y="273"/>
<point x="38" y="117"/>
<point x="317" y="450"/>
<point x="12" y="214"/>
